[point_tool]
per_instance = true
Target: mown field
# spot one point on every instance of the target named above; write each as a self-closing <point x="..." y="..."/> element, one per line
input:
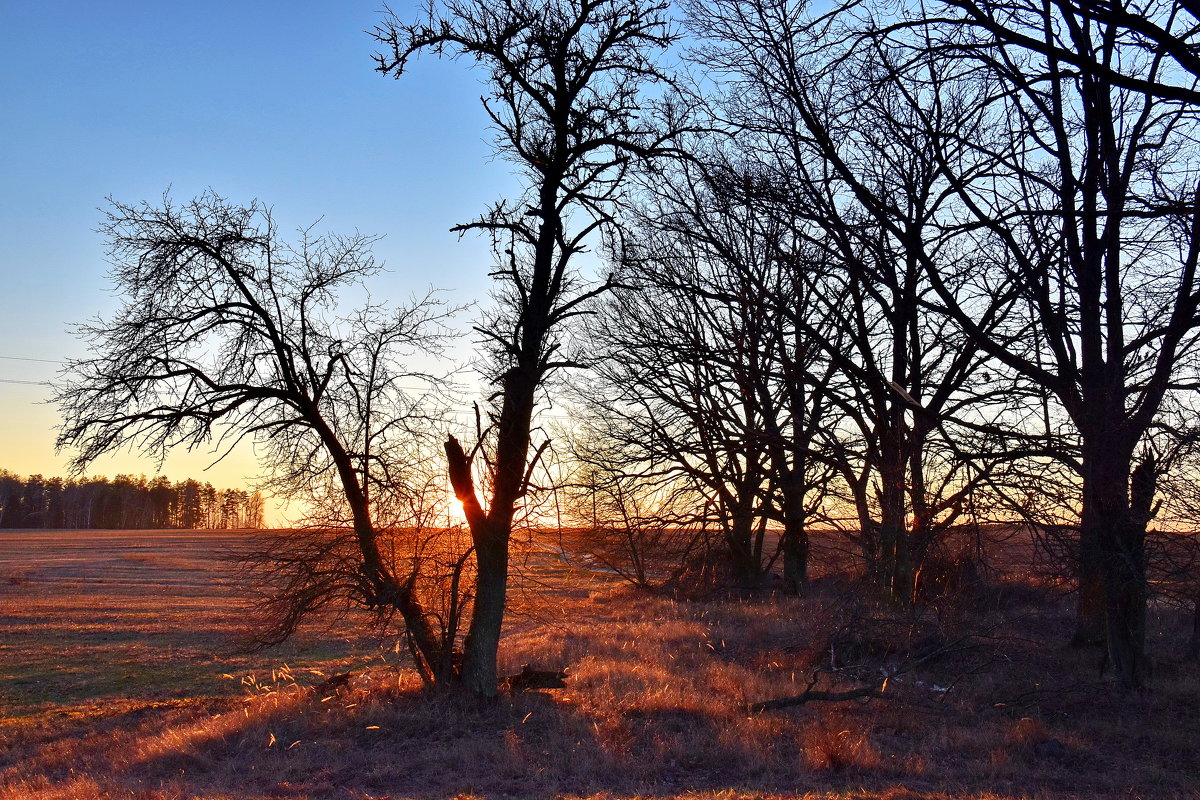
<point x="120" y="678"/>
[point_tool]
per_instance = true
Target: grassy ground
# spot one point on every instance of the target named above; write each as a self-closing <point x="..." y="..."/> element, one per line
<point x="117" y="680"/>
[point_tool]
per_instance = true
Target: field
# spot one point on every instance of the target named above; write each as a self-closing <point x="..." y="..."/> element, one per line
<point x="120" y="678"/>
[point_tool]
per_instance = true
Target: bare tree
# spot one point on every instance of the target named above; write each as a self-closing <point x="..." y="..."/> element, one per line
<point x="854" y="170"/>
<point x="1089" y="218"/>
<point x="1110" y="282"/>
<point x="225" y="334"/>
<point x="703" y="363"/>
<point x="678" y="396"/>
<point x="565" y="98"/>
<point x="1149" y="29"/>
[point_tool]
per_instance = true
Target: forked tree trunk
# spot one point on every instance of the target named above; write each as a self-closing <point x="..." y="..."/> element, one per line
<point x="491" y="532"/>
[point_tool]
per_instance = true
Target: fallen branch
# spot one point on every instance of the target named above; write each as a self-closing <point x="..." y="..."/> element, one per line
<point x="812" y="695"/>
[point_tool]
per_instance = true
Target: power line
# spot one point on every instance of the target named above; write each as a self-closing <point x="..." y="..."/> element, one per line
<point x="21" y="358"/>
<point x="28" y="358"/>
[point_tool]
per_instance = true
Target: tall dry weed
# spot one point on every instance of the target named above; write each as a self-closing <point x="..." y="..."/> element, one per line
<point x="837" y="744"/>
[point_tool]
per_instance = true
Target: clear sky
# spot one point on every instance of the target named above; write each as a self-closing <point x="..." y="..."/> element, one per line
<point x="270" y="100"/>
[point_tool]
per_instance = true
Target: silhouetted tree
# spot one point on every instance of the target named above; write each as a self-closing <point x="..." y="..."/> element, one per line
<point x="1087" y="217"/>
<point x="850" y="166"/>
<point x="226" y="333"/>
<point x="1164" y="31"/>
<point x="565" y="81"/>
<point x="705" y="375"/>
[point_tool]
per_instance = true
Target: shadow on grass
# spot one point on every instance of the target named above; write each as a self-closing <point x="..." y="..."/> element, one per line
<point x="406" y="743"/>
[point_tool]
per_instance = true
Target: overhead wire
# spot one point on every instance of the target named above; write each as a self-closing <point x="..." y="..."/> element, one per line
<point x="28" y="358"/>
<point x="24" y="358"/>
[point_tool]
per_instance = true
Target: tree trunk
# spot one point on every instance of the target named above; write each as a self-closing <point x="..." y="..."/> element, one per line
<point x="1089" y="611"/>
<point x="1104" y="495"/>
<point x="795" y="538"/>
<point x="487" y="615"/>
<point x="788" y="465"/>
<point x="1125" y="601"/>
<point x="1119" y="542"/>
<point x="1125" y="579"/>
<point x="383" y="584"/>
<point x="903" y="569"/>
<point x="746" y="570"/>
<point x="491" y="532"/>
<point x="868" y="537"/>
<point x="893" y="545"/>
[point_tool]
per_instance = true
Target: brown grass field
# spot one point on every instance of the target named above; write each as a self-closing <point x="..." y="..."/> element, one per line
<point x="118" y="679"/>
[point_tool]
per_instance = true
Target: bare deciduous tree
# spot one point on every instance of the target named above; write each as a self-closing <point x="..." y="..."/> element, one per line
<point x="853" y="168"/>
<point x="225" y="334"/>
<point x="705" y="366"/>
<point x="1089" y="217"/>
<point x="565" y="96"/>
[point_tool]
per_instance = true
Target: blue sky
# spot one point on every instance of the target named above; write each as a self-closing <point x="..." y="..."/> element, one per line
<point x="270" y="100"/>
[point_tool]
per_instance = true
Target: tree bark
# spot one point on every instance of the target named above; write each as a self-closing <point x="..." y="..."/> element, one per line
<point x="1118" y="540"/>
<point x="1089" y="610"/>
<point x="795" y="542"/>
<point x="894" y="556"/>
<point x="487" y="615"/>
<point x="746" y="569"/>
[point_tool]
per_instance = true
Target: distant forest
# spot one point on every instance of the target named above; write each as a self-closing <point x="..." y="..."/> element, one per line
<point x="124" y="502"/>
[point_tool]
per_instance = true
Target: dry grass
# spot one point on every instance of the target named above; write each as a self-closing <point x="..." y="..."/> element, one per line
<point x="113" y="665"/>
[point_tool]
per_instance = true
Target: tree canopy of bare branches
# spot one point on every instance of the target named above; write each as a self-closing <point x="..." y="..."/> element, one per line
<point x="1069" y="185"/>
<point x="225" y="334"/>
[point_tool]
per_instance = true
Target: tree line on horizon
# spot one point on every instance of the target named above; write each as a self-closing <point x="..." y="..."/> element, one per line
<point x="896" y="271"/>
<point x="126" y="502"/>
